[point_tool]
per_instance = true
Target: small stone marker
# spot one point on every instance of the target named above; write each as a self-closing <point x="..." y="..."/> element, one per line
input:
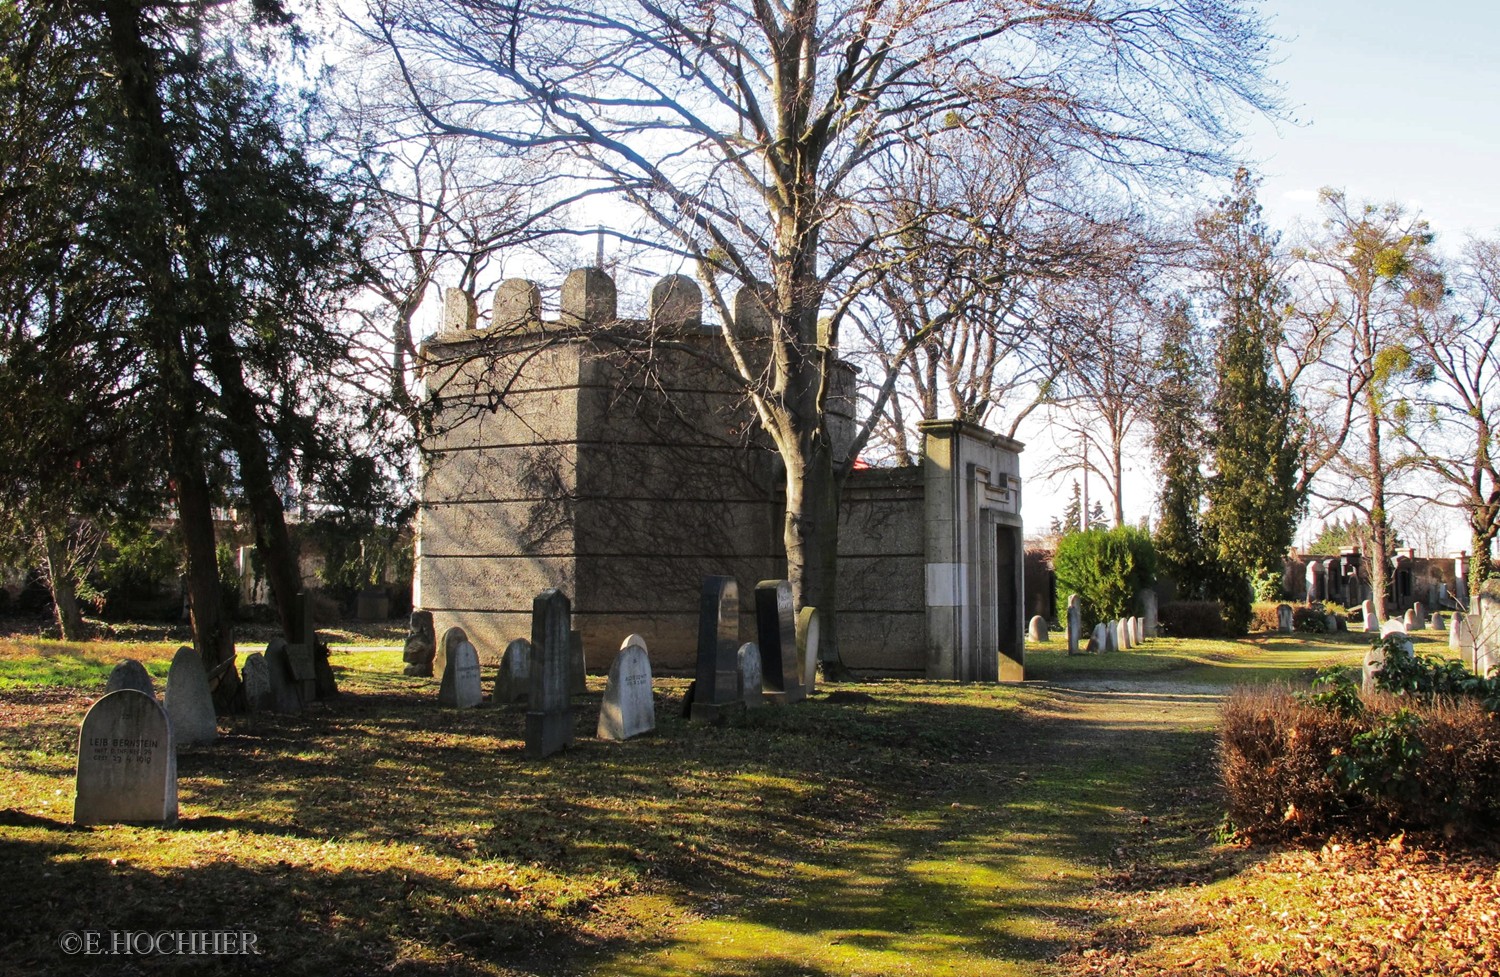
<point x="1284" y="618"/>
<point x="452" y="638"/>
<point x="1439" y="623"/>
<point x="776" y="637"/>
<point x="514" y="681"/>
<point x="549" y="714"/>
<point x="1370" y="625"/>
<point x="130" y="674"/>
<point x="807" y="648"/>
<point x="1100" y="642"/>
<point x="127" y="762"/>
<point x="716" y="690"/>
<point x="285" y="696"/>
<point x="1075" y="624"/>
<point x="421" y="645"/>
<point x="189" y="702"/>
<point x="256" y="676"/>
<point x="1036" y="631"/>
<point x="1419" y="617"/>
<point x="578" y="671"/>
<point x="1409" y="619"/>
<point x="751" y="680"/>
<point x="461" y="687"/>
<point x="1331" y="623"/>
<point x="1392" y="626"/>
<point x="629" y="707"/>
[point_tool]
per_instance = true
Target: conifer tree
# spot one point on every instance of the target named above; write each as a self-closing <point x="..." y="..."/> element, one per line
<point x="1178" y="442"/>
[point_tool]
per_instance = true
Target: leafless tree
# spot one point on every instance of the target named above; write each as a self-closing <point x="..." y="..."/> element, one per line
<point x="744" y="130"/>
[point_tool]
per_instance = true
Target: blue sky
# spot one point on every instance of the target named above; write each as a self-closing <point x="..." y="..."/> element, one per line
<point x="1393" y="101"/>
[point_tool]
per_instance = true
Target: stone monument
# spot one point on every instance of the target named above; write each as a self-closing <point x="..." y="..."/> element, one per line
<point x="421" y="645"/>
<point x="751" y="679"/>
<point x="629" y="707"/>
<point x="776" y="637"/>
<point x="460" y="687"/>
<point x="1075" y="624"/>
<point x="513" y="682"/>
<point x="189" y="702"/>
<point x="716" y="692"/>
<point x="807" y="648"/>
<point x="127" y="762"/>
<point x="130" y="674"/>
<point x="549" y="714"/>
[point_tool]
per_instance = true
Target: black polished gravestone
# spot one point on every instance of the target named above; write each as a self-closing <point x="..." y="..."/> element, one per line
<point x="549" y="713"/>
<point x="776" y="636"/>
<point x="716" y="693"/>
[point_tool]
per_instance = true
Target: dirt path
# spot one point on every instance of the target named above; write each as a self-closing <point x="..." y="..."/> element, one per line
<point x="999" y="876"/>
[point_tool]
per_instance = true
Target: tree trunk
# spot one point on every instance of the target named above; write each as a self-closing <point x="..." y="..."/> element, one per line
<point x="811" y="536"/>
<point x="64" y="590"/>
<point x="1482" y="540"/>
<point x="1379" y="523"/>
<point x="213" y="638"/>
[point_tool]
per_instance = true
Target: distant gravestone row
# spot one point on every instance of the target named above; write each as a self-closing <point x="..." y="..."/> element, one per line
<point x="1111" y="636"/>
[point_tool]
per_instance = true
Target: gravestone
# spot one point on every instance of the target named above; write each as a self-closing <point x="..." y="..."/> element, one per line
<point x="776" y="636"/>
<point x="549" y="714"/>
<point x="1331" y="623"/>
<point x="1419" y="616"/>
<point x="1409" y="620"/>
<point x="1461" y="638"/>
<point x="130" y="674"/>
<point x="309" y="668"/>
<point x="1075" y="624"/>
<point x="1122" y="635"/>
<point x="127" y="762"/>
<point x="578" y="672"/>
<point x="421" y="645"/>
<point x="1392" y="626"/>
<point x="807" y="648"/>
<point x="1374" y="662"/>
<point x="1370" y="625"/>
<point x="189" y="702"/>
<point x="1438" y="622"/>
<point x="1100" y="642"/>
<point x="1151" y="625"/>
<point x="256" y="676"/>
<point x="716" y="692"/>
<point x="514" y="680"/>
<point x="460" y="687"/>
<point x="1037" y="630"/>
<point x="1110" y="637"/>
<point x="751" y="681"/>
<point x="372" y="604"/>
<point x="286" y="695"/>
<point x="1487" y="634"/>
<point x="452" y="638"/>
<point x="1140" y="630"/>
<point x="629" y="707"/>
<point x="1284" y="618"/>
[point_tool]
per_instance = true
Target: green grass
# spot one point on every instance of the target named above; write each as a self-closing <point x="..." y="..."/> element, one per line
<point x="933" y="828"/>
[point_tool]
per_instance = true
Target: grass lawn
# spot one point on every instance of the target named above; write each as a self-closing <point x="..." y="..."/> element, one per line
<point x="1063" y="825"/>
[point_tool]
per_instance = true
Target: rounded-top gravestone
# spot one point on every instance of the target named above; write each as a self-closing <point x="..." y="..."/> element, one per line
<point x="514" y="679"/>
<point x="130" y="674"/>
<point x="127" y="762"/>
<point x="1036" y="631"/>
<point x="189" y="701"/>
<point x="629" y="708"/>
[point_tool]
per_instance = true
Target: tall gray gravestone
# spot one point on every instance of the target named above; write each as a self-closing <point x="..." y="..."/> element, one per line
<point x="808" y="631"/>
<point x="1284" y="618"/>
<point x="1370" y="625"/>
<point x="1100" y="642"/>
<point x="286" y="695"/>
<point x="127" y="762"/>
<point x="452" y="638"/>
<point x="256" y="676"/>
<point x="751" y="679"/>
<point x="1149" y="613"/>
<point x="1487" y="634"/>
<point x="629" y="707"/>
<point x="130" y="674"/>
<point x="1075" y="624"/>
<point x="549" y="712"/>
<point x="1122" y="635"/>
<point x="776" y="636"/>
<point x="189" y="702"/>
<point x="577" y="668"/>
<point x="513" y="683"/>
<point x="460" y="687"/>
<point x="716" y="692"/>
<point x="1419" y="617"/>
<point x="302" y="655"/>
